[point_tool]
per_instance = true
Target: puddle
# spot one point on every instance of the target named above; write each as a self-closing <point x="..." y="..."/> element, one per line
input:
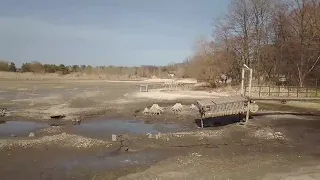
<point x="113" y="161"/>
<point x="104" y="128"/>
<point x="20" y="128"/>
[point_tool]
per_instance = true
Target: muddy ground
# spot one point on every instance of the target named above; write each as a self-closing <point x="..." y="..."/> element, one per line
<point x="279" y="142"/>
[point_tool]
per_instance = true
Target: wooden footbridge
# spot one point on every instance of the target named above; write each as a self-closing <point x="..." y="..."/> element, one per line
<point x="245" y="102"/>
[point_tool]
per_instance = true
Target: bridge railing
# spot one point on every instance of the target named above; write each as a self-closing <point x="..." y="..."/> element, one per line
<point x="284" y="91"/>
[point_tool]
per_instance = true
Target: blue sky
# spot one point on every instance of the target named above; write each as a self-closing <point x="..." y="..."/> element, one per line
<point x="104" y="32"/>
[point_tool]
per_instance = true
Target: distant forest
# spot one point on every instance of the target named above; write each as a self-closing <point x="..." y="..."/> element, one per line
<point x="142" y="71"/>
<point x="277" y="38"/>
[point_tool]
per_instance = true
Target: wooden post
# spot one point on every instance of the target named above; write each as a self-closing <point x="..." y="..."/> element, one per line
<point x="279" y="91"/>
<point x="307" y="91"/>
<point x="248" y="106"/>
<point x="288" y="91"/>
<point x="269" y="92"/>
<point x="259" y="91"/>
<point x="297" y="91"/>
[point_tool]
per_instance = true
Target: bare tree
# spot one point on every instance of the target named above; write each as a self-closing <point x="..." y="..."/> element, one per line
<point x="303" y="44"/>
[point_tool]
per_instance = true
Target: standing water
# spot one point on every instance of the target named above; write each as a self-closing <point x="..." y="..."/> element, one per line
<point x="20" y="128"/>
<point x="104" y="128"/>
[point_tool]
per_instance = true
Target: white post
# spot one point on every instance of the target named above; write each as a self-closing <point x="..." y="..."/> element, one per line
<point x="201" y="123"/>
<point x="250" y="83"/>
<point x="242" y="83"/>
<point x="249" y="94"/>
<point x="114" y="137"/>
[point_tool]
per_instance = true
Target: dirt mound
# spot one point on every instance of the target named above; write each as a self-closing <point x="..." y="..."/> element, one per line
<point x="62" y="140"/>
<point x="154" y="110"/>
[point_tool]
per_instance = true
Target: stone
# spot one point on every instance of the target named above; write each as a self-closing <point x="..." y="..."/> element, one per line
<point x="241" y="123"/>
<point x="31" y="134"/>
<point x="114" y="137"/>
<point x="158" y="135"/>
<point x="278" y="135"/>
<point x="64" y="134"/>
<point x="76" y="121"/>
<point x="167" y="139"/>
<point x="149" y="135"/>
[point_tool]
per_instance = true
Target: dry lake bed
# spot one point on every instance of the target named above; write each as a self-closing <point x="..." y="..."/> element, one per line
<point x="279" y="142"/>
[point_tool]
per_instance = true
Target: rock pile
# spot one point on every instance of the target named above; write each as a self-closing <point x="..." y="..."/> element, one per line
<point x="177" y="107"/>
<point x="278" y="135"/>
<point x="154" y="110"/>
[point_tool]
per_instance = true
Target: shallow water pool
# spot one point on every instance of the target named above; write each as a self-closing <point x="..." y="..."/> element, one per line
<point x="104" y="128"/>
<point x="20" y="128"/>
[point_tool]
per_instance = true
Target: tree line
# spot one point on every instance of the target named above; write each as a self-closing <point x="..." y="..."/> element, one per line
<point x="277" y="38"/>
<point x="141" y="71"/>
<point x="5" y="66"/>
